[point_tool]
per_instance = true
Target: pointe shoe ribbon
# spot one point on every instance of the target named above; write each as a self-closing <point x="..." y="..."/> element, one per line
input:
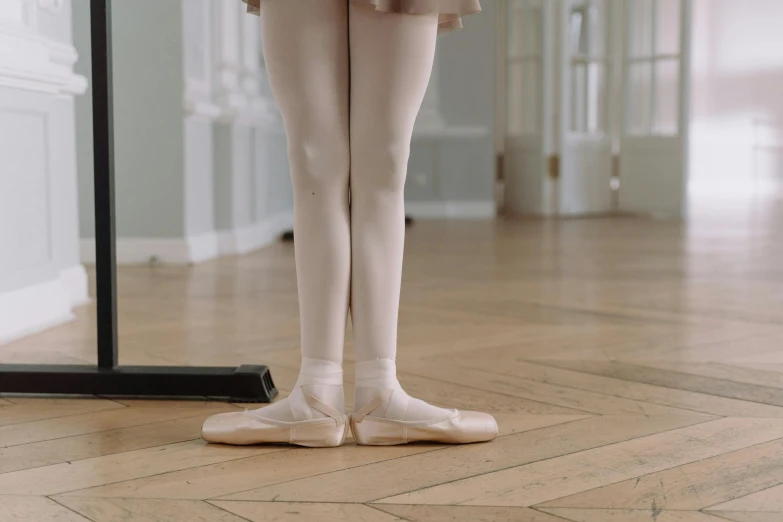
<point x="339" y="418"/>
<point x="371" y="406"/>
<point x="324" y="408"/>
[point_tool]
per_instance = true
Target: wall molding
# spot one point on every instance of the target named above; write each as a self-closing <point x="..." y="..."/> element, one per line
<point x="142" y="250"/>
<point x="54" y="6"/>
<point x="202" y="110"/>
<point x="38" y="63"/>
<point x="75" y="280"/>
<point x="196" y="248"/>
<point x="450" y="132"/>
<point x="450" y="209"/>
<point x="259" y="235"/>
<point x="34" y="308"/>
<point x="200" y="248"/>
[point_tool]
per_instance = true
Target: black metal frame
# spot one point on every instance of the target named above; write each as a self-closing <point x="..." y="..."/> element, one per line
<point x="245" y="383"/>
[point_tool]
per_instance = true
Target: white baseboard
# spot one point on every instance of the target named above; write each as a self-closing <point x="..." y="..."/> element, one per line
<point x="34" y="308"/>
<point x="75" y="280"/>
<point x="448" y="132"/>
<point x="450" y="209"/>
<point x="193" y="249"/>
<point x="201" y="247"/>
<point x="247" y="239"/>
<point x="136" y="250"/>
<point x="175" y="251"/>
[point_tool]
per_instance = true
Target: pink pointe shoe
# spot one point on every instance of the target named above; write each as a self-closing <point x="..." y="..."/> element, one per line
<point x="248" y="427"/>
<point x="312" y="415"/>
<point x="455" y="427"/>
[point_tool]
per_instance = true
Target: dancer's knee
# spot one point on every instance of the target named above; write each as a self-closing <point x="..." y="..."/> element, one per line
<point x="319" y="163"/>
<point x="379" y="167"/>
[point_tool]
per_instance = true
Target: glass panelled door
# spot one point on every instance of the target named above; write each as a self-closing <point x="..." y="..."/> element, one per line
<point x="586" y="71"/>
<point x="528" y="108"/>
<point x="654" y="134"/>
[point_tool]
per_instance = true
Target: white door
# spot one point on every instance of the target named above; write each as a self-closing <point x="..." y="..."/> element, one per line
<point x="529" y="143"/>
<point x="586" y="70"/>
<point x="654" y="129"/>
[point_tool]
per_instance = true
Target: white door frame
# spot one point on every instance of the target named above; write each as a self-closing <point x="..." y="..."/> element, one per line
<point x="654" y="161"/>
<point x="585" y="145"/>
<point x="528" y="143"/>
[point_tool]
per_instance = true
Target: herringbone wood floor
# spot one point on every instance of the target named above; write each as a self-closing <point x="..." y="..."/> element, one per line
<point x="635" y="368"/>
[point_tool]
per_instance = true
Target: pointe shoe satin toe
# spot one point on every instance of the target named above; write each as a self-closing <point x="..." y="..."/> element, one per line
<point x="461" y="427"/>
<point x="312" y="415"/>
<point x="242" y="428"/>
<point x="248" y="427"/>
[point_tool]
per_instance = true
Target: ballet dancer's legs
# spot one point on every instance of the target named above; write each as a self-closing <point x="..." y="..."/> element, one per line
<point x="391" y="62"/>
<point x="306" y="54"/>
<point x="306" y="44"/>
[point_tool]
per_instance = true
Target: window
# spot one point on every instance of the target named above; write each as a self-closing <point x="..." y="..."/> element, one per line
<point x="590" y="67"/>
<point x="652" y="67"/>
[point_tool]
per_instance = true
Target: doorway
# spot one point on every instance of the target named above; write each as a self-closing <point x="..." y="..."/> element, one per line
<point x="595" y="106"/>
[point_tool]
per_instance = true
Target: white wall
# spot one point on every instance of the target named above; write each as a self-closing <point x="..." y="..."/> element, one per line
<point x="41" y="279"/>
<point x="190" y="110"/>
<point x="737" y="109"/>
<point x="451" y="170"/>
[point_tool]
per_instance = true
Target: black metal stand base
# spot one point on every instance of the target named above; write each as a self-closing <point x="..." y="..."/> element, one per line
<point x="244" y="384"/>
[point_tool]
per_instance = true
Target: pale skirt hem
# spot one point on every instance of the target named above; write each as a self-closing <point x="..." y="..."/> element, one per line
<point x="450" y="12"/>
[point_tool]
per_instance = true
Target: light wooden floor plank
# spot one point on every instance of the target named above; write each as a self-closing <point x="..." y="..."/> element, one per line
<point x="250" y="473"/>
<point x="580" y="400"/>
<point x="679" y="380"/>
<point x="747" y="516"/>
<point x="60" y="478"/>
<point x="35" y="509"/>
<point x="297" y="512"/>
<point x="23" y="409"/>
<point x="770" y="499"/>
<point x="376" y="481"/>
<point x="511" y="362"/>
<point x="457" y="396"/>
<point x="464" y="332"/>
<point x="466" y="514"/>
<point x="722" y="370"/>
<point x="740" y="343"/>
<point x="221" y="479"/>
<point x="147" y="510"/>
<point x="110" y="419"/>
<point x="110" y="442"/>
<point x="693" y="486"/>
<point x="628" y="515"/>
<point x="540" y="482"/>
<point x="649" y="329"/>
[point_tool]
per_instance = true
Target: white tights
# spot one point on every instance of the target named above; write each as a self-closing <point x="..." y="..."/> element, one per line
<point x="348" y="124"/>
